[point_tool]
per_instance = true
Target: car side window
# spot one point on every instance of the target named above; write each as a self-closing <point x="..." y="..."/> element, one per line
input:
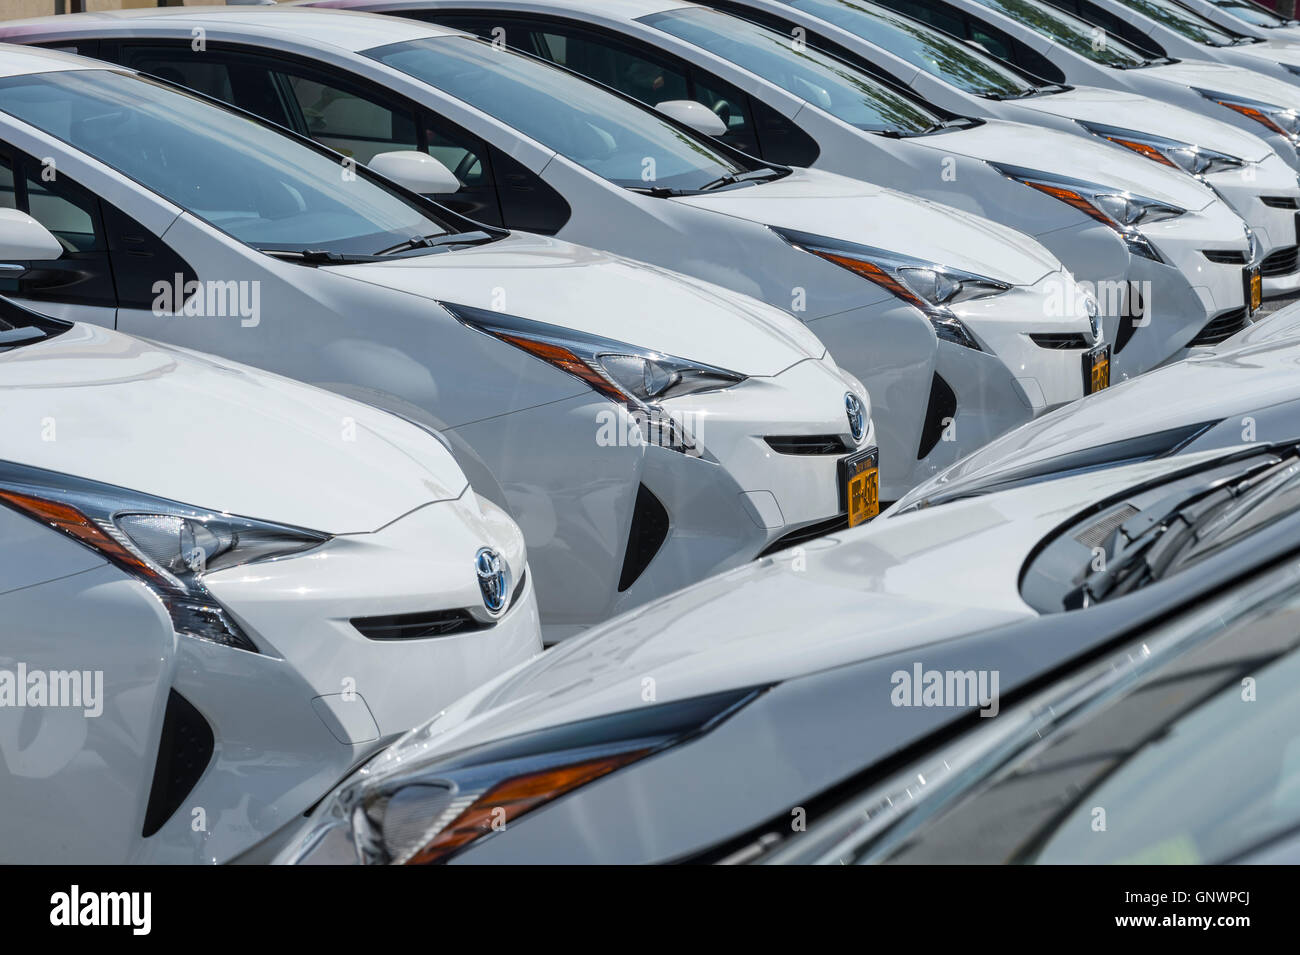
<point x="647" y="76"/>
<point x="348" y="121"/>
<point x="957" y="22"/>
<point x="86" y="273"/>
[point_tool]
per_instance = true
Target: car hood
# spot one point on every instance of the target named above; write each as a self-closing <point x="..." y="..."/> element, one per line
<point x="214" y="434"/>
<point x="1208" y="387"/>
<point x="837" y="207"/>
<point x="836" y="600"/>
<point x="1271" y="51"/>
<point x="1061" y="153"/>
<point x="591" y="291"/>
<point x="1225" y="78"/>
<point x="1091" y="104"/>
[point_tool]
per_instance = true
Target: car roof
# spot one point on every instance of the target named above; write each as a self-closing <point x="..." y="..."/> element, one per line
<point x="342" y="29"/>
<point x="18" y="60"/>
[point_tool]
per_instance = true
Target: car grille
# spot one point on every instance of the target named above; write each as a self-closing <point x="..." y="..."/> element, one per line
<point x="1060" y="341"/>
<point x="1280" y="202"/>
<point x="808" y="533"/>
<point x="1225" y="256"/>
<point x="1220" y="327"/>
<point x="1281" y="262"/>
<point x="430" y="623"/>
<point x="808" y="444"/>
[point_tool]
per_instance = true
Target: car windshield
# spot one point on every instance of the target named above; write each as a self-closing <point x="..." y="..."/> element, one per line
<point x="1252" y="13"/>
<point x="1184" y="22"/>
<point x="618" y="140"/>
<point x="825" y="82"/>
<point x="260" y="186"/>
<point x="923" y="46"/>
<point x="1076" y="35"/>
<point x="1184" y="748"/>
<point x="19" y="327"/>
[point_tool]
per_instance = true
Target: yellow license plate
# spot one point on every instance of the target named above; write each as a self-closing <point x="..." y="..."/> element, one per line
<point x="1096" y="370"/>
<point x="861" y="483"/>
<point x="1256" y="291"/>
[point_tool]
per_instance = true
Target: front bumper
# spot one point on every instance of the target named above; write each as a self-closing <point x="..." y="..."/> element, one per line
<point x="1267" y="196"/>
<point x="302" y="610"/>
<point x="734" y="495"/>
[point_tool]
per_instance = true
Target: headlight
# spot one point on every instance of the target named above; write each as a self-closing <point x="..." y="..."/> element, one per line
<point x="168" y="547"/>
<point x="1280" y="119"/>
<point x="929" y="287"/>
<point x="405" y="808"/>
<point x="1120" y="210"/>
<point x="1196" y="160"/>
<point x="624" y="373"/>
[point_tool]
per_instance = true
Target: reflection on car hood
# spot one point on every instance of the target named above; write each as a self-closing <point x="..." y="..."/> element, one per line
<point x="214" y="434"/>
<point x="1225" y="78"/>
<point x="1091" y="104"/>
<point x="1051" y="150"/>
<point x="557" y="282"/>
<point x="850" y="596"/>
<point x="835" y="206"/>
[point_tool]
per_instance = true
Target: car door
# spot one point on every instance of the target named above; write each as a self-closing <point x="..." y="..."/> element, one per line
<point x="344" y="113"/>
<point x="79" y="284"/>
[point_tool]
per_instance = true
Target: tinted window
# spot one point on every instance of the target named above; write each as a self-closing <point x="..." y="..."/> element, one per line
<point x="615" y="139"/>
<point x="259" y="186"/>
<point x="935" y="52"/>
<point x="839" y="89"/>
<point x="1187" y="766"/>
<point x="1182" y="21"/>
<point x="1079" y="36"/>
<point x="1260" y="16"/>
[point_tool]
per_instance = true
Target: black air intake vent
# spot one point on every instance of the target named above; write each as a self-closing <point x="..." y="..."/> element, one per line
<point x="1220" y="328"/>
<point x="1097" y="534"/>
<point x="943" y="406"/>
<point x="820" y="529"/>
<point x="418" y="626"/>
<point x="1279" y="202"/>
<point x="648" y="533"/>
<point x="1060" y="341"/>
<point x="1225" y="256"/>
<point x="1281" y="262"/>
<point x="184" y="752"/>
<point x="808" y="444"/>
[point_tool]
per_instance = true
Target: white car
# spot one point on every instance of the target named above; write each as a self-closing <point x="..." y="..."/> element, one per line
<point x="960" y="77"/>
<point x="1169" y="28"/>
<point x="1063" y="48"/>
<point x="645" y="428"/>
<point x="959" y="327"/>
<point x="1248" y="17"/>
<point x="219" y="590"/>
<point x="1171" y="264"/>
<point x="723" y="720"/>
<point x="1243" y="393"/>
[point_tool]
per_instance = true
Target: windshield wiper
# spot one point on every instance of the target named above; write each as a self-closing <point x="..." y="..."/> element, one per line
<point x="1018" y="94"/>
<point x="731" y="179"/>
<point x="1158" y="536"/>
<point x="440" y="240"/>
<point x="322" y="256"/>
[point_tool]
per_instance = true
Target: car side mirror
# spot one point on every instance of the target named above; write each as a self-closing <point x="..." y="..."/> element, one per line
<point x="695" y="115"/>
<point x="417" y="171"/>
<point x="23" y="239"/>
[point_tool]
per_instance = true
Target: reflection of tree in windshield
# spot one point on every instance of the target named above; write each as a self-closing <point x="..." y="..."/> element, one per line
<point x="845" y="93"/>
<point x="1183" y="22"/>
<point x="1074" y="34"/>
<point x="930" y="49"/>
